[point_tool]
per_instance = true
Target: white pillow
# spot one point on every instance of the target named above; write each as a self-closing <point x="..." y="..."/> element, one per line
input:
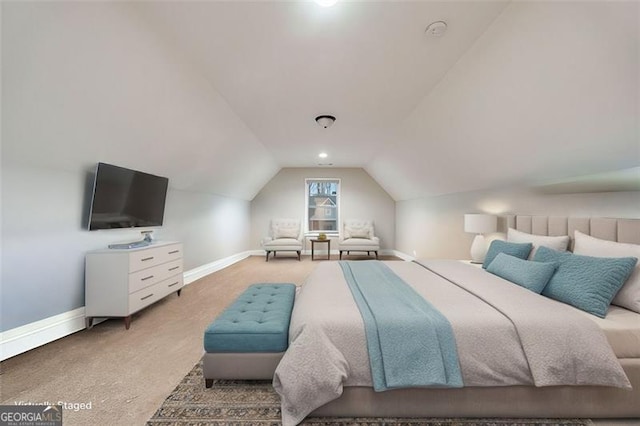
<point x="629" y="295"/>
<point x="357" y="232"/>
<point x="285" y="232"/>
<point x="557" y="243"/>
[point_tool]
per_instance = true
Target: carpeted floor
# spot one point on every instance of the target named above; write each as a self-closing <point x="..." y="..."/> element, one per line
<point x="240" y="402"/>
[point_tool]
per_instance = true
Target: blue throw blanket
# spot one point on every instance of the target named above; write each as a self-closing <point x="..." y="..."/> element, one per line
<point x="410" y="343"/>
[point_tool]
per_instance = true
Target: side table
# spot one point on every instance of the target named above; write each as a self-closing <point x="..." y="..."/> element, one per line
<point x="313" y="246"/>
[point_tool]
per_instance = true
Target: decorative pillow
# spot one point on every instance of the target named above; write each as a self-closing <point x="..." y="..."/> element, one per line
<point x="629" y="295"/>
<point x="588" y="283"/>
<point x="357" y="232"/>
<point x="557" y="243"/>
<point x="285" y="232"/>
<point x="530" y="275"/>
<point x="520" y="251"/>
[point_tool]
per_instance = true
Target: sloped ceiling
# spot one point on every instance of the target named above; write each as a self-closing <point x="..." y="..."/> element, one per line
<point x="512" y="93"/>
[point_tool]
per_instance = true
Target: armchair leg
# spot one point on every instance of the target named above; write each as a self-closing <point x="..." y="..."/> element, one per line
<point x="376" y="252"/>
<point x="267" y="259"/>
<point x="340" y="254"/>
<point x="298" y="255"/>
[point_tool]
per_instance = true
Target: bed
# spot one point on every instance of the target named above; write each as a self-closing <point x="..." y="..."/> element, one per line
<point x="513" y="361"/>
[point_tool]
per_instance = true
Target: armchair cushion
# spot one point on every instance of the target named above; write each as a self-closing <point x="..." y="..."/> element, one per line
<point x="357" y="229"/>
<point x="353" y="232"/>
<point x="285" y="232"/>
<point x="283" y="244"/>
<point x="360" y="243"/>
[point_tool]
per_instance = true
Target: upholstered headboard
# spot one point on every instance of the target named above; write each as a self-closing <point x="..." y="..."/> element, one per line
<point x="620" y="230"/>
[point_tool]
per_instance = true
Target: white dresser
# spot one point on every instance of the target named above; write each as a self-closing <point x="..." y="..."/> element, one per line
<point x="119" y="283"/>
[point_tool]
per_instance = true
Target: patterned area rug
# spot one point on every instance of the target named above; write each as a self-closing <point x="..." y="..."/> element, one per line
<point x="239" y="402"/>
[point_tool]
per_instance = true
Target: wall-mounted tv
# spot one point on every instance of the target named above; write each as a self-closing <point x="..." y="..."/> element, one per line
<point x="125" y="198"/>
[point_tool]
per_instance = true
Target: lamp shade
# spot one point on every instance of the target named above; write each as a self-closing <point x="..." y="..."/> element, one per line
<point x="480" y="223"/>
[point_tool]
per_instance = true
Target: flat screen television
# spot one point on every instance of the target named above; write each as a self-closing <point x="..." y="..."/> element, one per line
<point x="125" y="198"/>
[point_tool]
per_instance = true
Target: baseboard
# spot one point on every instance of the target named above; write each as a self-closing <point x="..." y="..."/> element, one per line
<point x="29" y="336"/>
<point x="401" y="255"/>
<point x="204" y="270"/>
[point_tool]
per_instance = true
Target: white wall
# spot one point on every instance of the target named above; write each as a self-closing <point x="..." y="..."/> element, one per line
<point x="361" y="198"/>
<point x="434" y="227"/>
<point x="44" y="238"/>
<point x="87" y="82"/>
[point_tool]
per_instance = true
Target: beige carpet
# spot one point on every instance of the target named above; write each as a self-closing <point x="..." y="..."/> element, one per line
<point x="241" y="402"/>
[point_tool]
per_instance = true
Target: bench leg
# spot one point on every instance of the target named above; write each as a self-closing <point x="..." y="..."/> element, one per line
<point x="208" y="383"/>
<point x="298" y="255"/>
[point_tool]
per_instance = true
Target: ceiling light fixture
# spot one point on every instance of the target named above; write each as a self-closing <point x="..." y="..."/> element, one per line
<point x="325" y="121"/>
<point x="326" y="3"/>
<point x="436" y="29"/>
<point x="323" y="155"/>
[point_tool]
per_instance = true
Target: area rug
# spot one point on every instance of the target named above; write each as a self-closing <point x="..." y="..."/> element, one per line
<point x="240" y="402"/>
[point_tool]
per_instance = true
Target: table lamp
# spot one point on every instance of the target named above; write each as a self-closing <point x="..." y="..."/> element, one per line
<point x="479" y="224"/>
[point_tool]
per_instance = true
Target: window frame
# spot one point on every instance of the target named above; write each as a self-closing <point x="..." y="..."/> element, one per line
<point x="307" y="229"/>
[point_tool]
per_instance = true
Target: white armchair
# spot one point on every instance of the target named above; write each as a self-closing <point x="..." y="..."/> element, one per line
<point x="284" y="235"/>
<point x="358" y="235"/>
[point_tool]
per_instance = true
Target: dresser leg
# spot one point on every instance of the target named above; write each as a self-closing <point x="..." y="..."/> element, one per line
<point x="179" y="292"/>
<point x="88" y="322"/>
<point x="127" y="322"/>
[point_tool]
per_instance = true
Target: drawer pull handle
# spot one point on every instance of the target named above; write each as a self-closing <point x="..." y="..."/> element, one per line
<point x="174" y="268"/>
<point x="146" y="278"/>
<point x="174" y="252"/>
<point x="146" y="297"/>
<point x="144" y="259"/>
<point x="171" y="285"/>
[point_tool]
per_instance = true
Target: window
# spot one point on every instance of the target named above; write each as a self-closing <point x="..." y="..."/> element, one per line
<point x="322" y="205"/>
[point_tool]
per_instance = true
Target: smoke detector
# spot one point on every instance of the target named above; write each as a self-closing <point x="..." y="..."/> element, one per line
<point x="436" y="29"/>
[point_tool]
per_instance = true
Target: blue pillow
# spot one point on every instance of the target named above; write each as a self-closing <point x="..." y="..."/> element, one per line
<point x="520" y="251"/>
<point x="531" y="275"/>
<point x="588" y="283"/>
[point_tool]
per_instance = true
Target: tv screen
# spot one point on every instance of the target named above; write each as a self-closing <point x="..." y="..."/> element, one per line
<point x="124" y="198"/>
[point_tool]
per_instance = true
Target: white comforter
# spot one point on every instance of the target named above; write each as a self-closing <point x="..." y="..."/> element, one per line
<point x="505" y="335"/>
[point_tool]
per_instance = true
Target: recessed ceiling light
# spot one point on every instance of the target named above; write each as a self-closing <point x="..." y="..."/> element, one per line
<point x="436" y="29"/>
<point x="323" y="155"/>
<point x="326" y="3"/>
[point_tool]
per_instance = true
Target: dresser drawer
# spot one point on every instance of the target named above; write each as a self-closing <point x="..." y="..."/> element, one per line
<point x="150" y="257"/>
<point x="146" y="277"/>
<point x="153" y="293"/>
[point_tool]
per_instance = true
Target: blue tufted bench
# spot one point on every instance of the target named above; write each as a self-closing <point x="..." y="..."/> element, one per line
<point x="250" y="336"/>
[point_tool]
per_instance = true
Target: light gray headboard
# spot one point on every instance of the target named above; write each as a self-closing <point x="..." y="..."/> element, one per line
<point x="620" y="230"/>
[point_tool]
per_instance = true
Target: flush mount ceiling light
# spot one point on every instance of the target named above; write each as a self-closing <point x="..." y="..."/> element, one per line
<point x="326" y="3"/>
<point x="323" y="155"/>
<point x="325" y="121"/>
<point x="436" y="29"/>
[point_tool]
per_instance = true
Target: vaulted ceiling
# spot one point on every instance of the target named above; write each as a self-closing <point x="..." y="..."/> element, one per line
<point x="511" y="93"/>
